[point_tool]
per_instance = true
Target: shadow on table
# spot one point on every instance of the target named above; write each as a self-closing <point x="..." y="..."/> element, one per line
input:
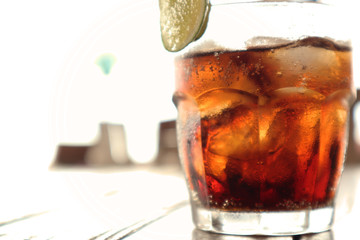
<point x="202" y="235"/>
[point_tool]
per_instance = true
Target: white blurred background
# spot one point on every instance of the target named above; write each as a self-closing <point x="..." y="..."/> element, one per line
<point x="52" y="91"/>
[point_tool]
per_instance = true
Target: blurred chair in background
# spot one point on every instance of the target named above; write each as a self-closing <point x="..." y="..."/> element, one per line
<point x="71" y="155"/>
<point x="353" y="153"/>
<point x="109" y="149"/>
<point x="167" y="146"/>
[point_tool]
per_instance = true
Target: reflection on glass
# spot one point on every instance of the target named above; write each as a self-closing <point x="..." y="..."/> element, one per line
<point x="202" y="235"/>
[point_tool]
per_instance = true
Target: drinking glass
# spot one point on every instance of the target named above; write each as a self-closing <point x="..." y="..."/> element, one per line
<point x="263" y="100"/>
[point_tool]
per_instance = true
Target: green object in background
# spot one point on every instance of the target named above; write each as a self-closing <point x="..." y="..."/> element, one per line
<point x="106" y="61"/>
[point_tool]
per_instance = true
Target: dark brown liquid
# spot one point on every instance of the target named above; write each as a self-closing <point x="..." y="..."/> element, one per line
<point x="264" y="129"/>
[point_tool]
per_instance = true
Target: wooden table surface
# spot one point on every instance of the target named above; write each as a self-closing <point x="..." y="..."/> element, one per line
<point x="81" y="203"/>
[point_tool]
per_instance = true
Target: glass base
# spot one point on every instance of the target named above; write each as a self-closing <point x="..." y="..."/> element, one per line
<point x="264" y="223"/>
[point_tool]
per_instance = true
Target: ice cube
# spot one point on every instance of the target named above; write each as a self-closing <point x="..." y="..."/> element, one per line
<point x="283" y="114"/>
<point x="294" y="95"/>
<point x="218" y="100"/>
<point x="229" y="129"/>
<point x="215" y="165"/>
<point x="266" y="42"/>
<point x="312" y="63"/>
<point x="233" y="133"/>
<point x="290" y="133"/>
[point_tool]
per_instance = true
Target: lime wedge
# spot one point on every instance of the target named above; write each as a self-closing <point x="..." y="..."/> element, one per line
<point x="182" y="21"/>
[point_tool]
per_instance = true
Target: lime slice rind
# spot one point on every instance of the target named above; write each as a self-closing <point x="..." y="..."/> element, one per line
<point x="204" y="23"/>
